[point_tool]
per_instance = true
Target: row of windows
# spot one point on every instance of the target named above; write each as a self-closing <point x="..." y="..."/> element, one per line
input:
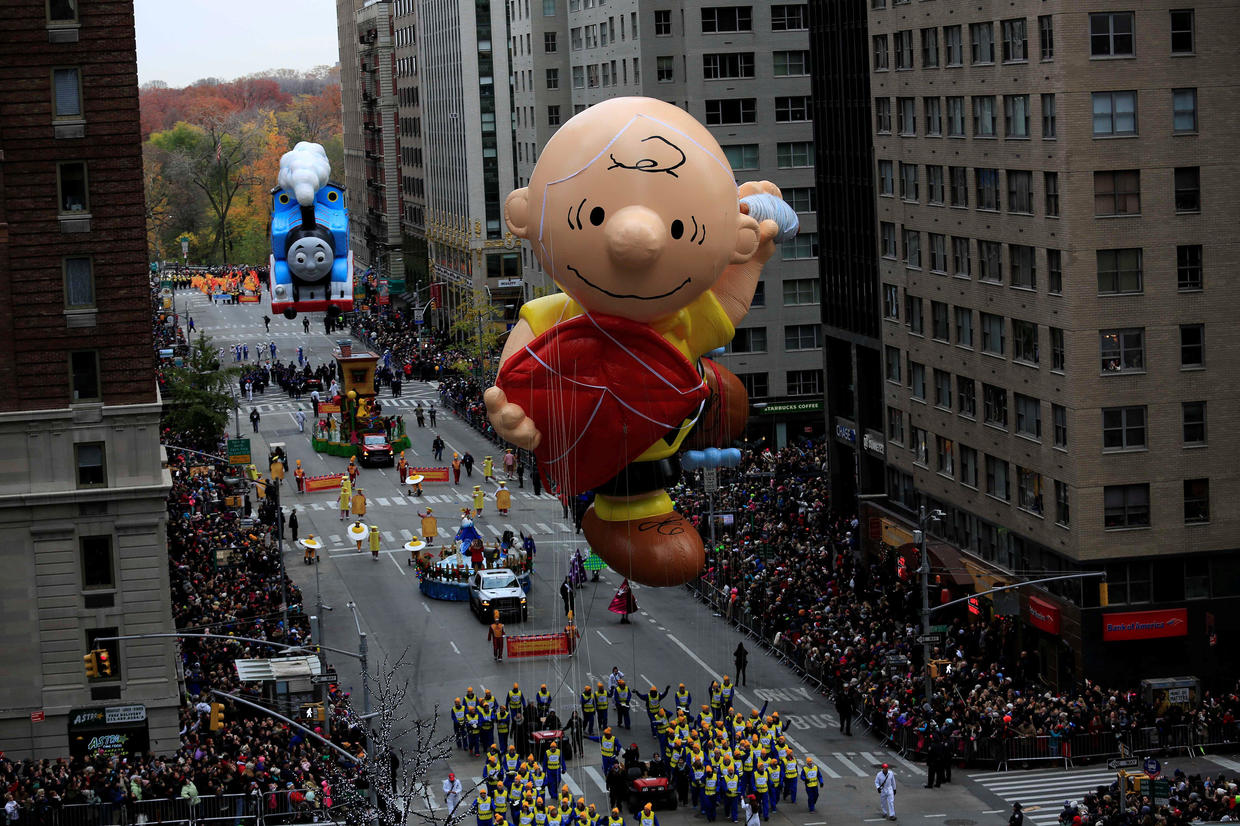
<point x="798" y="383"/>
<point x="796" y="337"/>
<point x="598" y="75"/>
<point x="738" y="111"/>
<point x="1128" y="506"/>
<point x="737" y="65"/>
<point x="1127" y="428"/>
<point x="993" y="340"/>
<point x="600" y="34"/>
<point x="785" y="17"/>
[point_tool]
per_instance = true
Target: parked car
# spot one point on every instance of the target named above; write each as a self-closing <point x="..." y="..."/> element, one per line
<point x="497" y="589"/>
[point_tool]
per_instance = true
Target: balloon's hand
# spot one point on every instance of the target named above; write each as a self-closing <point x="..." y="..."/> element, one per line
<point x="510" y="420"/>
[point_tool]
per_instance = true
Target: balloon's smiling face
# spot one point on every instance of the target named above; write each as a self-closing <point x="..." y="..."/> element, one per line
<point x="633" y="215"/>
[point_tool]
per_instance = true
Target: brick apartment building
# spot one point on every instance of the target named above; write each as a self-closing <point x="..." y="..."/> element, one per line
<point x="82" y="505"/>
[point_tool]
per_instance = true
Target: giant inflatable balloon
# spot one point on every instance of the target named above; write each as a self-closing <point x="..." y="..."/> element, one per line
<point x="634" y="211"/>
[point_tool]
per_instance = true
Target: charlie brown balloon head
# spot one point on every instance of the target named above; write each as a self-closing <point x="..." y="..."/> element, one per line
<point x="632" y="208"/>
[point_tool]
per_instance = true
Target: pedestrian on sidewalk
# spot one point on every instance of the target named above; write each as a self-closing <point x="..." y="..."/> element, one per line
<point x="741" y="658"/>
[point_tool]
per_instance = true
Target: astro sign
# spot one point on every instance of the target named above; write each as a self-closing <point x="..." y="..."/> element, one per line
<point x="1144" y="625"/>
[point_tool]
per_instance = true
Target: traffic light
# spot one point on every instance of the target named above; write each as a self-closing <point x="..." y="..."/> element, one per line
<point x="92" y="666"/>
<point x="105" y="662"/>
<point x="314" y="711"/>
<point x="217" y="716"/>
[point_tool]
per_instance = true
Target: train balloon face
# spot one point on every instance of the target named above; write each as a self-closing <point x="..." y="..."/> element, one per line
<point x="311" y="267"/>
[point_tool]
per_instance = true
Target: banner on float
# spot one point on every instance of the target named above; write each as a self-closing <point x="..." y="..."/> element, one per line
<point x="430" y="474"/>
<point x="326" y="408"/>
<point x="249" y="299"/>
<point x="328" y="482"/>
<point x="537" y="645"/>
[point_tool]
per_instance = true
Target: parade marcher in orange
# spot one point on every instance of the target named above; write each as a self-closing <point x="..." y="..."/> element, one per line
<point x="300" y="476"/>
<point x="456" y="468"/>
<point x="496" y="637"/>
<point x="402" y="468"/>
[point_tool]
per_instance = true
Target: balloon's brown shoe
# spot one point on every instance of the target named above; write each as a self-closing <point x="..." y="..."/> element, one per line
<point x="659" y="551"/>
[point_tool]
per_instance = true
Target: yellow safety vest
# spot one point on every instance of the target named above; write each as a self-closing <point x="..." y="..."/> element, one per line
<point x="514" y="699"/>
<point x="484" y="806"/>
<point x="587" y="701"/>
<point x="731" y="783"/>
<point x="647" y="819"/>
<point x="811" y="776"/>
<point x="760" y="781"/>
<point x="682" y="700"/>
<point x="600" y="701"/>
<point x="608" y="746"/>
<point x="790" y="767"/>
<point x="553" y="758"/>
<point x="712" y="784"/>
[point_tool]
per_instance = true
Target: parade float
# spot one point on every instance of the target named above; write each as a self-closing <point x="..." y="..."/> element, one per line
<point x="342" y="423"/>
<point x="446" y="574"/>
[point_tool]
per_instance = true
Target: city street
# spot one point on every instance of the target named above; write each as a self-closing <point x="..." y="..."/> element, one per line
<point x="673" y="638"/>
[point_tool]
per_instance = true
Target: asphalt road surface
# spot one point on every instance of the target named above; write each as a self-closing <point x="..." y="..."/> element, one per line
<point x="672" y="639"/>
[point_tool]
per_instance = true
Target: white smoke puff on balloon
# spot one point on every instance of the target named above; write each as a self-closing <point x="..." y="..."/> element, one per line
<point x="304" y="170"/>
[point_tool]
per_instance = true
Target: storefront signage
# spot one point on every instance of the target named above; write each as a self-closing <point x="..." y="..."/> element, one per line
<point x="116" y="730"/>
<point x="508" y="282"/>
<point x="846" y="432"/>
<point x="895" y="535"/>
<point x="874" y="442"/>
<point x="1145" y="625"/>
<point x="791" y="407"/>
<point x="1044" y="615"/>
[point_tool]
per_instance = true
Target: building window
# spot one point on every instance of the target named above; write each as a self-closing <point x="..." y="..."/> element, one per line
<point x="663" y="22"/>
<point x="67" y="93"/>
<point x="938" y="253"/>
<point x="917" y="380"/>
<point x="997" y="478"/>
<point x="579" y="78"/>
<point x="1196" y="501"/>
<point x="1184" y="110"/>
<point x="983" y="116"/>
<point x="982" y="42"/>
<point x="1111" y="34"/>
<point x="804" y="382"/>
<point x="749" y="340"/>
<point x="1126" y="506"/>
<point x="1022" y="260"/>
<point x="964" y="327"/>
<point x="802" y="337"/>
<point x="553" y="78"/>
<point x="993" y="328"/>
<point x="904" y="49"/>
<point x="933" y="107"/>
<point x="1029" y="490"/>
<point x="887" y="232"/>
<point x="91" y="470"/>
<point x="1182" y="31"/>
<point x="943" y="456"/>
<point x="1046" y="36"/>
<point x="1123" y="428"/>
<point x="756" y="384"/>
<point x="891" y="302"/>
<point x="929" y="48"/>
<point x="882" y="115"/>
<point x="1016" y="116"/>
<point x="881" y="51"/>
<point x="793" y="109"/>
<point x="1020" y="191"/>
<point x="955" y="117"/>
<point x="801" y="198"/>
<point x="97" y="565"/>
<point x="1059" y="422"/>
<point x="549" y="42"/>
<point x="1189" y="268"/>
<point x="994" y="405"/>
<point x="1049" y="131"/>
<point x="759" y="295"/>
<point x="1059" y="356"/>
<point x="1120" y="271"/>
<point x="73" y="187"/>
<point x="1025" y="341"/>
<point x="960" y="185"/>
<point x="796" y="155"/>
<point x="1193" y="419"/>
<point x="84" y="374"/>
<point x="791" y="64"/>
<point x="943" y="389"/>
<point x="920" y="447"/>
<point x="62" y="11"/>
<point x="553" y="115"/>
<point x="742" y="155"/>
<point x="961" y="259"/>
<point x="1015" y="41"/>
<point x="801" y="291"/>
<point x="804" y="246"/>
<point x="940" y="328"/>
<point x="548" y="8"/>
<point x="79" y="283"/>
<point x="721" y="19"/>
<point x="792" y="17"/>
<point x="987" y="188"/>
<point x="966" y="397"/>
<point x="990" y="258"/>
<point x="1117" y="192"/>
<point x="1062" y="514"/>
<point x="727" y="66"/>
<point x="1054" y="272"/>
<point x="1115" y="114"/>
<point x="907" y="113"/>
<point x="892" y="362"/>
<point x="1188" y="189"/>
<point x="1050" y="182"/>
<point x="968" y="466"/>
<point x="953" y="45"/>
<point x="727" y="111"/>
<point x="895" y="425"/>
<point x="1192" y="345"/>
<point x="1122" y="351"/>
<point x="912" y="249"/>
<point x="908" y="182"/>
<point x="913" y="314"/>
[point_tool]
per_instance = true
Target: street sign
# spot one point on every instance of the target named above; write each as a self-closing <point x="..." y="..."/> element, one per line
<point x="896" y="659"/>
<point x="1152" y="767"/>
<point x="321" y="679"/>
<point x="1124" y="763"/>
<point x="238" y="451"/>
<point x="419" y="317"/>
<point x="710" y="479"/>
<point x="934" y="638"/>
<point x="37" y="716"/>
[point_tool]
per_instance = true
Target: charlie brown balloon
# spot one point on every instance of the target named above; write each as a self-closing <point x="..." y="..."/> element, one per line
<point x="633" y="209"/>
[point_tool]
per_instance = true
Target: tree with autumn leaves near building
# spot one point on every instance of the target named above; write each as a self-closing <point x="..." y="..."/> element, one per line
<point x="211" y="156"/>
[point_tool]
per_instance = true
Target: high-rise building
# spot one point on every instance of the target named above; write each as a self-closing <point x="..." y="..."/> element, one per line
<point x="354" y="173"/>
<point x="412" y="152"/>
<point x="743" y="70"/>
<point x="82" y="498"/>
<point x="1053" y="239"/>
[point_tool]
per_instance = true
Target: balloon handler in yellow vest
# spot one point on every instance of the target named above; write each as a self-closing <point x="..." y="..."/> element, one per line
<point x="634" y="211"/>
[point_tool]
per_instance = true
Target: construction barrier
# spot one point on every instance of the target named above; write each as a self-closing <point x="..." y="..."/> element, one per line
<point x="537" y="645"/>
<point x="331" y="480"/>
<point x="429" y="474"/>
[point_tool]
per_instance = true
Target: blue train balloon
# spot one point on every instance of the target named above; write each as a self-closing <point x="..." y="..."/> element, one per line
<point x="311" y="267"/>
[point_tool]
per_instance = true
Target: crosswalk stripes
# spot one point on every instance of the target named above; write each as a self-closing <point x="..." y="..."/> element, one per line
<point x="824" y="768"/>
<point x="848" y="764"/>
<point x="595" y="776"/>
<point x="381" y="501"/>
<point x="572" y="786"/>
<point x="544" y="527"/>
<point x="496" y="531"/>
<point x="399" y="500"/>
<point x="1042" y="793"/>
<point x="406" y="534"/>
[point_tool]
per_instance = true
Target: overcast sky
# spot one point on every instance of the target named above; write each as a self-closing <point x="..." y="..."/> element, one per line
<point x="180" y="41"/>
